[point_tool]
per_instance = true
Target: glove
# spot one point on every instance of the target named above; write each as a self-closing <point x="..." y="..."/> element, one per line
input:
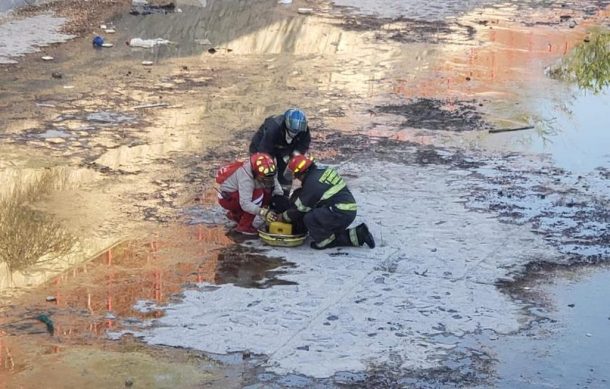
<point x="268" y="215"/>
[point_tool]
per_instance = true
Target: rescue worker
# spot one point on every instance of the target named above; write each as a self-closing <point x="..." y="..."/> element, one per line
<point x="248" y="191"/>
<point x="283" y="136"/>
<point x="326" y="207"/>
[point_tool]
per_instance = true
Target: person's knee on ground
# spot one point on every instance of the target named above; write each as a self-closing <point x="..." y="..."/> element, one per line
<point x="327" y="243"/>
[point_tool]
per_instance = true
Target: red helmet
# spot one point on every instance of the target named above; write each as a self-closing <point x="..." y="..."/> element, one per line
<point x="299" y="164"/>
<point x="262" y="165"/>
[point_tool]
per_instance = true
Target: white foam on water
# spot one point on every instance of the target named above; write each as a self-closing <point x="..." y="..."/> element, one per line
<point x="433" y="272"/>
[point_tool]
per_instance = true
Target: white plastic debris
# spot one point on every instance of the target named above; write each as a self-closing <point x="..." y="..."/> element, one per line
<point x="148" y="43"/>
<point x="285" y="1"/>
<point x="110" y="30"/>
<point x="103" y="26"/>
<point x="305" y="11"/>
<point x="47" y="58"/>
<point x="147" y="63"/>
<point x="204" y="41"/>
<point x="51" y="298"/>
<point x="107" y="45"/>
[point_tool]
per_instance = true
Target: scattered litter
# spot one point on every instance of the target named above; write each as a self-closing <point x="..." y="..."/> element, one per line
<point x="56" y="141"/>
<point x="51" y="298"/>
<point x="285" y="2"/>
<point x="147" y="43"/>
<point x="45" y="105"/>
<point x="107" y="45"/>
<point x="146" y="9"/>
<point x="203" y="41"/>
<point x="110" y="30"/>
<point x="147" y="63"/>
<point x="57" y="75"/>
<point x="68" y="86"/>
<point x="103" y="26"/>
<point x="47" y="58"/>
<point x="305" y="11"/>
<point x="496" y="130"/>
<point x="98" y="41"/>
<point x="46" y="320"/>
<point x="156" y="105"/>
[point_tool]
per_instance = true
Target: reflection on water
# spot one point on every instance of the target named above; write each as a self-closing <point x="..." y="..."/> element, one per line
<point x="506" y="76"/>
<point x="581" y="142"/>
<point x="568" y="350"/>
<point x="29" y="236"/>
<point x="158" y="269"/>
<point x="99" y="295"/>
<point x="588" y="65"/>
<point x="430" y="10"/>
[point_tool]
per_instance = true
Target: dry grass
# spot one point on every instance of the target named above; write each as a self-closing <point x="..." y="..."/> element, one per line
<point x="29" y="236"/>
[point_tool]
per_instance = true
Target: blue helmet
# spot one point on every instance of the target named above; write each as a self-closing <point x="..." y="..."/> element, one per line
<point x="295" y="121"/>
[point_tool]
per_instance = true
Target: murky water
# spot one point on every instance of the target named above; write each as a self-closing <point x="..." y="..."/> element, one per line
<point x="569" y="348"/>
<point x="412" y="8"/>
<point x="578" y="138"/>
<point x="415" y="9"/>
<point x="147" y="136"/>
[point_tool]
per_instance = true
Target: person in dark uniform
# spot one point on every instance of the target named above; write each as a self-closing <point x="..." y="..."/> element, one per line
<point x="283" y="136"/>
<point x="326" y="207"/>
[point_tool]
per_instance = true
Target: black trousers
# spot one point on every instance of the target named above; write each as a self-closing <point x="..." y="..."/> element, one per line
<point x="328" y="227"/>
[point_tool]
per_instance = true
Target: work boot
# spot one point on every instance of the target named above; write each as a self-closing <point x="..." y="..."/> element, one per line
<point x="365" y="236"/>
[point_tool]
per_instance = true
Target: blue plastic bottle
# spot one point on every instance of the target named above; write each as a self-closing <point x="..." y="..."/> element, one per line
<point x="98" y="41"/>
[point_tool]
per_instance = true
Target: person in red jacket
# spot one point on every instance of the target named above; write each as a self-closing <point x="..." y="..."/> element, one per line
<point x="248" y="192"/>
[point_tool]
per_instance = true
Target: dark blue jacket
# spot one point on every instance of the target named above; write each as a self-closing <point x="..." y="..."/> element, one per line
<point x="271" y="138"/>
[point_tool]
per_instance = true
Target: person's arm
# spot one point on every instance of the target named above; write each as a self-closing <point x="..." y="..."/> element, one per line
<point x="245" y="187"/>
<point x="305" y="202"/>
<point x="277" y="187"/>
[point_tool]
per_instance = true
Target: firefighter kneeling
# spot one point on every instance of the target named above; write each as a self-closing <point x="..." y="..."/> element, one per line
<point x="326" y="207"/>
